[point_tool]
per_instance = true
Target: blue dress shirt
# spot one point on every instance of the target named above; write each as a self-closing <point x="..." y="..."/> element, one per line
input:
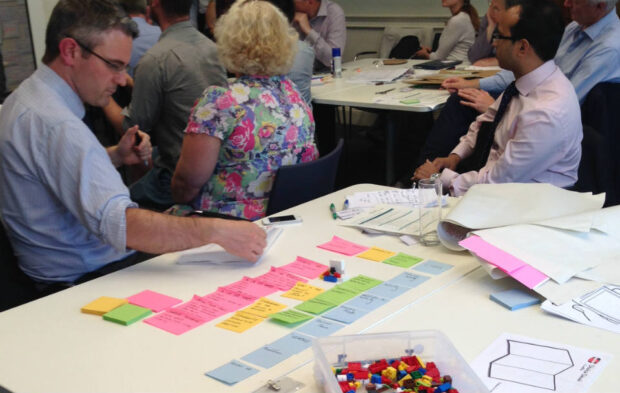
<point x="62" y="201"/>
<point x="586" y="56"/>
<point x="147" y="37"/>
<point x="301" y="72"/>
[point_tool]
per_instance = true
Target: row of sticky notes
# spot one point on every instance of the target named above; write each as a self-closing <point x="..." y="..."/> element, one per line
<point x="376" y="254"/>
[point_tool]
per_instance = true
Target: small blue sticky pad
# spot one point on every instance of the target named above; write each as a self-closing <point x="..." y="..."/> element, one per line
<point x="515" y="299"/>
<point x="407" y="279"/>
<point x="388" y="290"/>
<point x="367" y="301"/>
<point x="232" y="372"/>
<point x="432" y="267"/>
<point x="320" y="327"/>
<point x="345" y="314"/>
<point x="278" y="351"/>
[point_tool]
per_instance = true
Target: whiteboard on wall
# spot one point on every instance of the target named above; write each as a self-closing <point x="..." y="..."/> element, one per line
<point x="402" y="8"/>
<point x="39" y="12"/>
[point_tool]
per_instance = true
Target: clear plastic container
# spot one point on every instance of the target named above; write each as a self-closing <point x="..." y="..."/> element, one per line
<point x="429" y="345"/>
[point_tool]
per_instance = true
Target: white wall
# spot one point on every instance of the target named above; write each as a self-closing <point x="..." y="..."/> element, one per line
<point x="39" y="12"/>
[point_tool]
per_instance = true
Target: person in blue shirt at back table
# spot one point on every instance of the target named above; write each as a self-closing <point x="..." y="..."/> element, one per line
<point x="589" y="53"/>
<point x="63" y="203"/>
<point x="147" y="33"/>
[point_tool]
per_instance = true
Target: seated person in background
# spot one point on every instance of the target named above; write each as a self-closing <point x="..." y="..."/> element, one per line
<point x="589" y="53"/>
<point x="147" y="33"/>
<point x="321" y="24"/>
<point x="458" y="35"/>
<point x="64" y="205"/>
<point x="237" y="137"/>
<point x="482" y="53"/>
<point x="168" y="80"/>
<point x="534" y="129"/>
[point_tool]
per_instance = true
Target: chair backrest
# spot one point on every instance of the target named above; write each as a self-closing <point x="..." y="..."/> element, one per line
<point x="393" y="34"/>
<point x="299" y="183"/>
<point x="600" y="111"/>
<point x="15" y="287"/>
<point x="406" y="48"/>
<point x="436" y="41"/>
<point x="593" y="173"/>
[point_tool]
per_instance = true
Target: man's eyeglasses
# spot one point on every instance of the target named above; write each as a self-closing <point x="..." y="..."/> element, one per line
<point x="117" y="67"/>
<point x="497" y="36"/>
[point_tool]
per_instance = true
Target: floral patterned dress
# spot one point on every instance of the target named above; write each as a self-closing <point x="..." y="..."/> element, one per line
<point x="264" y="124"/>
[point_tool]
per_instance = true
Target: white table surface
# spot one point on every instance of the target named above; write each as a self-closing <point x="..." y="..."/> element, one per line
<point x="50" y="346"/>
<point x="339" y="91"/>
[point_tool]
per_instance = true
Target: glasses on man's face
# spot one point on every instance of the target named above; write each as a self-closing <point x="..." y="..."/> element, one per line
<point x="497" y="36"/>
<point x="117" y="67"/>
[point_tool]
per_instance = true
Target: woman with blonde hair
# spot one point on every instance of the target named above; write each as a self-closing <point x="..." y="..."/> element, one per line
<point x="458" y="35"/>
<point x="238" y="136"/>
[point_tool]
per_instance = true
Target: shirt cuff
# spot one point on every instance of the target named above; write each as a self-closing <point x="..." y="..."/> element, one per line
<point x="113" y="227"/>
<point x="312" y="37"/>
<point x="446" y="178"/>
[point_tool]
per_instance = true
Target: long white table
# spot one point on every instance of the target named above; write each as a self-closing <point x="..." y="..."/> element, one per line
<point x="50" y="346"/>
<point x="341" y="92"/>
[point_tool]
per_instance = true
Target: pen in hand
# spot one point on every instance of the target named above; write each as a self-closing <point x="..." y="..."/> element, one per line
<point x="138" y="141"/>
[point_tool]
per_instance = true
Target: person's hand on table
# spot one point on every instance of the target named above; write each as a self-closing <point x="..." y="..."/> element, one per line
<point x="457" y="83"/>
<point x="423" y="53"/>
<point x="478" y="99"/>
<point x="241" y="238"/>
<point x="429" y="168"/>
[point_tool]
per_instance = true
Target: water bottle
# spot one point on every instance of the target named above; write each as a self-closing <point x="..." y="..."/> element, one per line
<point x="336" y="63"/>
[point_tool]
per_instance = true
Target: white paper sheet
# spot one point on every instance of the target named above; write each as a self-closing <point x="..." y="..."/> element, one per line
<point x="599" y="308"/>
<point x="562" y="293"/>
<point x="215" y="254"/>
<point x="389" y="219"/>
<point x="521" y="364"/>
<point x="377" y="75"/>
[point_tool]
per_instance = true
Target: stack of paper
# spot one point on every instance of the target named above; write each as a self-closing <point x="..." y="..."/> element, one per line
<point x="560" y="243"/>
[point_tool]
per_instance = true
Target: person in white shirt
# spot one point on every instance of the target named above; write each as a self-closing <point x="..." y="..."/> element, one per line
<point x="536" y="135"/>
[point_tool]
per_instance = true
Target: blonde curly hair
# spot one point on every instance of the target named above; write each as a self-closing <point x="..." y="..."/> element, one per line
<point x="254" y="38"/>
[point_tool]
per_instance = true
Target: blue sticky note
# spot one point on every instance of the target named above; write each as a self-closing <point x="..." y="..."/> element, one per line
<point x="320" y="327"/>
<point x="278" y="351"/>
<point x="388" y="290"/>
<point x="515" y="299"/>
<point x="432" y="267"/>
<point x="407" y="279"/>
<point x="232" y="372"/>
<point x="366" y="301"/>
<point x="346" y="314"/>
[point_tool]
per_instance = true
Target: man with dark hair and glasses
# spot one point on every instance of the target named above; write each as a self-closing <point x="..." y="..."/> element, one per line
<point x="168" y="80"/>
<point x="532" y="133"/>
<point x="65" y="208"/>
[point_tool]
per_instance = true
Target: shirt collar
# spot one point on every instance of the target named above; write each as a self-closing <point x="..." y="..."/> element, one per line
<point x="186" y="24"/>
<point x="594" y="30"/>
<point x="62" y="88"/>
<point x="529" y="81"/>
<point x="322" y="9"/>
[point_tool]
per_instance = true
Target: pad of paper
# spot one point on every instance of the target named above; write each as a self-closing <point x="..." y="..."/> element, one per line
<point x="240" y="322"/>
<point x="376" y="254"/>
<point x="127" y="314"/>
<point x="174" y="321"/>
<point x="360" y="283"/>
<point x="514" y="299"/>
<point x="103" y="305"/>
<point x="264" y="308"/>
<point x="290" y="317"/>
<point x="232" y="372"/>
<point x="303" y="291"/>
<point x="403" y="260"/>
<point x="315" y="306"/>
<point x="342" y="246"/>
<point x="305" y="268"/>
<point x="152" y="300"/>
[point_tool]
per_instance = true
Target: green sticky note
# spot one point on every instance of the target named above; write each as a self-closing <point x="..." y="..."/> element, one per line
<point x="403" y="260"/>
<point x="337" y="295"/>
<point x="127" y="314"/>
<point x="360" y="283"/>
<point x="315" y="306"/>
<point x="410" y="101"/>
<point x="290" y="317"/>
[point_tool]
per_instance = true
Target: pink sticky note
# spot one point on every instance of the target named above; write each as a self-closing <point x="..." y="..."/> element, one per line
<point x="280" y="278"/>
<point x="342" y="246"/>
<point x="492" y="254"/>
<point x="305" y="268"/>
<point x="251" y="286"/>
<point x="153" y="300"/>
<point x="230" y="300"/>
<point x="174" y="321"/>
<point x="197" y="308"/>
<point x="529" y="276"/>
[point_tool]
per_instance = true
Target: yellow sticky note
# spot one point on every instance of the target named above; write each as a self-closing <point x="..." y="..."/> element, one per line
<point x="103" y="305"/>
<point x="376" y="254"/>
<point x="240" y="322"/>
<point x="264" y="307"/>
<point x="303" y="291"/>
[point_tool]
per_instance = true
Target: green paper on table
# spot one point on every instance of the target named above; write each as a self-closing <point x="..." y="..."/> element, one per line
<point x="315" y="306"/>
<point x="337" y="295"/>
<point x="403" y="260"/>
<point x="290" y="317"/>
<point x="360" y="283"/>
<point x="127" y="314"/>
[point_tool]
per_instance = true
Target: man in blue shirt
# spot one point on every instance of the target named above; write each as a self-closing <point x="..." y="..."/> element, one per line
<point x="589" y="53"/>
<point x="147" y="33"/>
<point x="64" y="205"/>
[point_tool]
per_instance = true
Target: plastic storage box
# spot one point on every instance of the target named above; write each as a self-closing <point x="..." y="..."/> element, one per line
<point x="429" y="345"/>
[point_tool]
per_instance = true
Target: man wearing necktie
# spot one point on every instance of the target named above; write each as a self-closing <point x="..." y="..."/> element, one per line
<point x="532" y="132"/>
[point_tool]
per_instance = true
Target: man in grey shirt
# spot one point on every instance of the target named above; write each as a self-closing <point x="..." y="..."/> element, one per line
<point x="168" y="80"/>
<point x="321" y="24"/>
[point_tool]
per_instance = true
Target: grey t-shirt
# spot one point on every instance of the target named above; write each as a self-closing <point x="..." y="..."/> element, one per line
<point x="169" y="78"/>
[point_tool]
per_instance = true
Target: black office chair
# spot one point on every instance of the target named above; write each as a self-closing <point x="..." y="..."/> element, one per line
<point x="299" y="183"/>
<point x="593" y="173"/>
<point x="600" y="111"/>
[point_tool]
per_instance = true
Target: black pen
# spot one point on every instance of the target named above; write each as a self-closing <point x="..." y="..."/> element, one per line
<point x="138" y="141"/>
<point x="385" y="91"/>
